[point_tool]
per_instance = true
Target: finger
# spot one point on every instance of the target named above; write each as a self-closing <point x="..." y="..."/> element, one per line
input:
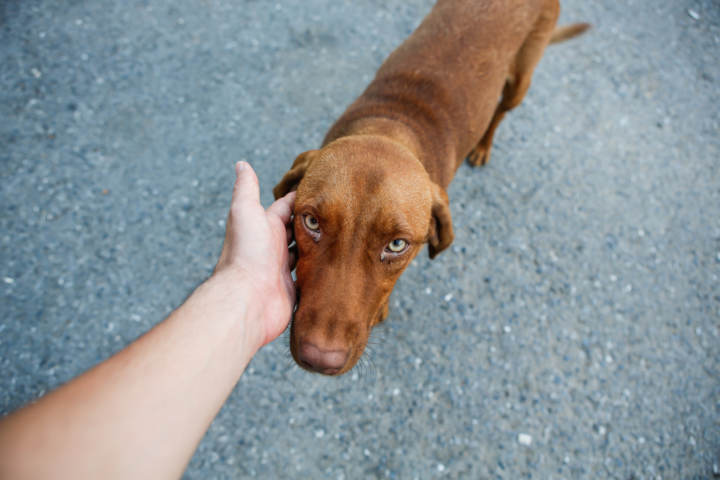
<point x="292" y="294"/>
<point x="288" y="278"/>
<point x="247" y="189"/>
<point x="292" y="257"/>
<point x="283" y="207"/>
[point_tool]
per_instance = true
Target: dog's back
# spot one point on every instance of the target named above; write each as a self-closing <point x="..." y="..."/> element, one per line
<point x="376" y="191"/>
<point x="445" y="80"/>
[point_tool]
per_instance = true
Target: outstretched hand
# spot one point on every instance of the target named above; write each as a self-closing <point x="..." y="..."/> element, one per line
<point x="256" y="247"/>
<point x="100" y="423"/>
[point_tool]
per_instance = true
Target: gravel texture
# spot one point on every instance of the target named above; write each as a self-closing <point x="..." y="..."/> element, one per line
<point x="571" y="331"/>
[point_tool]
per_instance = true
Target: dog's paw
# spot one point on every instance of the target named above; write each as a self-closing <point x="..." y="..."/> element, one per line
<point x="383" y="313"/>
<point x="479" y="156"/>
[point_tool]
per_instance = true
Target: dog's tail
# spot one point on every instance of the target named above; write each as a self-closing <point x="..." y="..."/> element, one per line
<point x="568" y="31"/>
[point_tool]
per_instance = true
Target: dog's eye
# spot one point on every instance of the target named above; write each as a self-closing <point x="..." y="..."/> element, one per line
<point x="397" y="245"/>
<point x="311" y="223"/>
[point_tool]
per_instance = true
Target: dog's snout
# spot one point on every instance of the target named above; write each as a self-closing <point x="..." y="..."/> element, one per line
<point x="328" y="362"/>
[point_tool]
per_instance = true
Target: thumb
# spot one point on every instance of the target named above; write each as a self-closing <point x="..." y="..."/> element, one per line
<point x="247" y="189"/>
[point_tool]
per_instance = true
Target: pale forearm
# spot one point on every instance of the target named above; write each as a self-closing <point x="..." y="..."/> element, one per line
<point x="141" y="413"/>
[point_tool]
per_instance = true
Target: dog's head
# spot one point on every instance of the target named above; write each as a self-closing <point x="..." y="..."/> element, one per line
<point x="364" y="208"/>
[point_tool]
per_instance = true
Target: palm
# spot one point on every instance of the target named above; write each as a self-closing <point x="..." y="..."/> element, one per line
<point x="256" y="244"/>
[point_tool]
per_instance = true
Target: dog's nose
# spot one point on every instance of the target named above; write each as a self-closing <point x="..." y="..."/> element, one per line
<point x="328" y="362"/>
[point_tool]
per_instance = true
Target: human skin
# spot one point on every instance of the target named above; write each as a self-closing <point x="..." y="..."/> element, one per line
<point x="142" y="412"/>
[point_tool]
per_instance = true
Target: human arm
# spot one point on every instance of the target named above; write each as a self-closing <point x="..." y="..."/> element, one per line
<point x="141" y="413"/>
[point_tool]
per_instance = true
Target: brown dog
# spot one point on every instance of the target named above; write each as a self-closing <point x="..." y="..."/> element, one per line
<point x="375" y="192"/>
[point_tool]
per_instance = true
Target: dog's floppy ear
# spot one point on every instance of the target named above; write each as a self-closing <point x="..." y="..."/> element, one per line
<point x="441" y="230"/>
<point x="291" y="179"/>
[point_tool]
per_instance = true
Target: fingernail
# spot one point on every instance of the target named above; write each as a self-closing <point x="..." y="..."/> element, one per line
<point x="240" y="165"/>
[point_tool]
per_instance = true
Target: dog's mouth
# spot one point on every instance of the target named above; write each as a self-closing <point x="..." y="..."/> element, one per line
<point x="318" y="358"/>
<point x="315" y="352"/>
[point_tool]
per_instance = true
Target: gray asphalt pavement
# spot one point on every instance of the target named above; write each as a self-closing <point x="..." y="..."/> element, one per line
<point x="571" y="332"/>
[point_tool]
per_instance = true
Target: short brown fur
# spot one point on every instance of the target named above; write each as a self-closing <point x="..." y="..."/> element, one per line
<point x="384" y="165"/>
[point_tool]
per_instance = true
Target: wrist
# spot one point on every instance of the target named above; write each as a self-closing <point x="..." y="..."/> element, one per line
<point x="240" y="299"/>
